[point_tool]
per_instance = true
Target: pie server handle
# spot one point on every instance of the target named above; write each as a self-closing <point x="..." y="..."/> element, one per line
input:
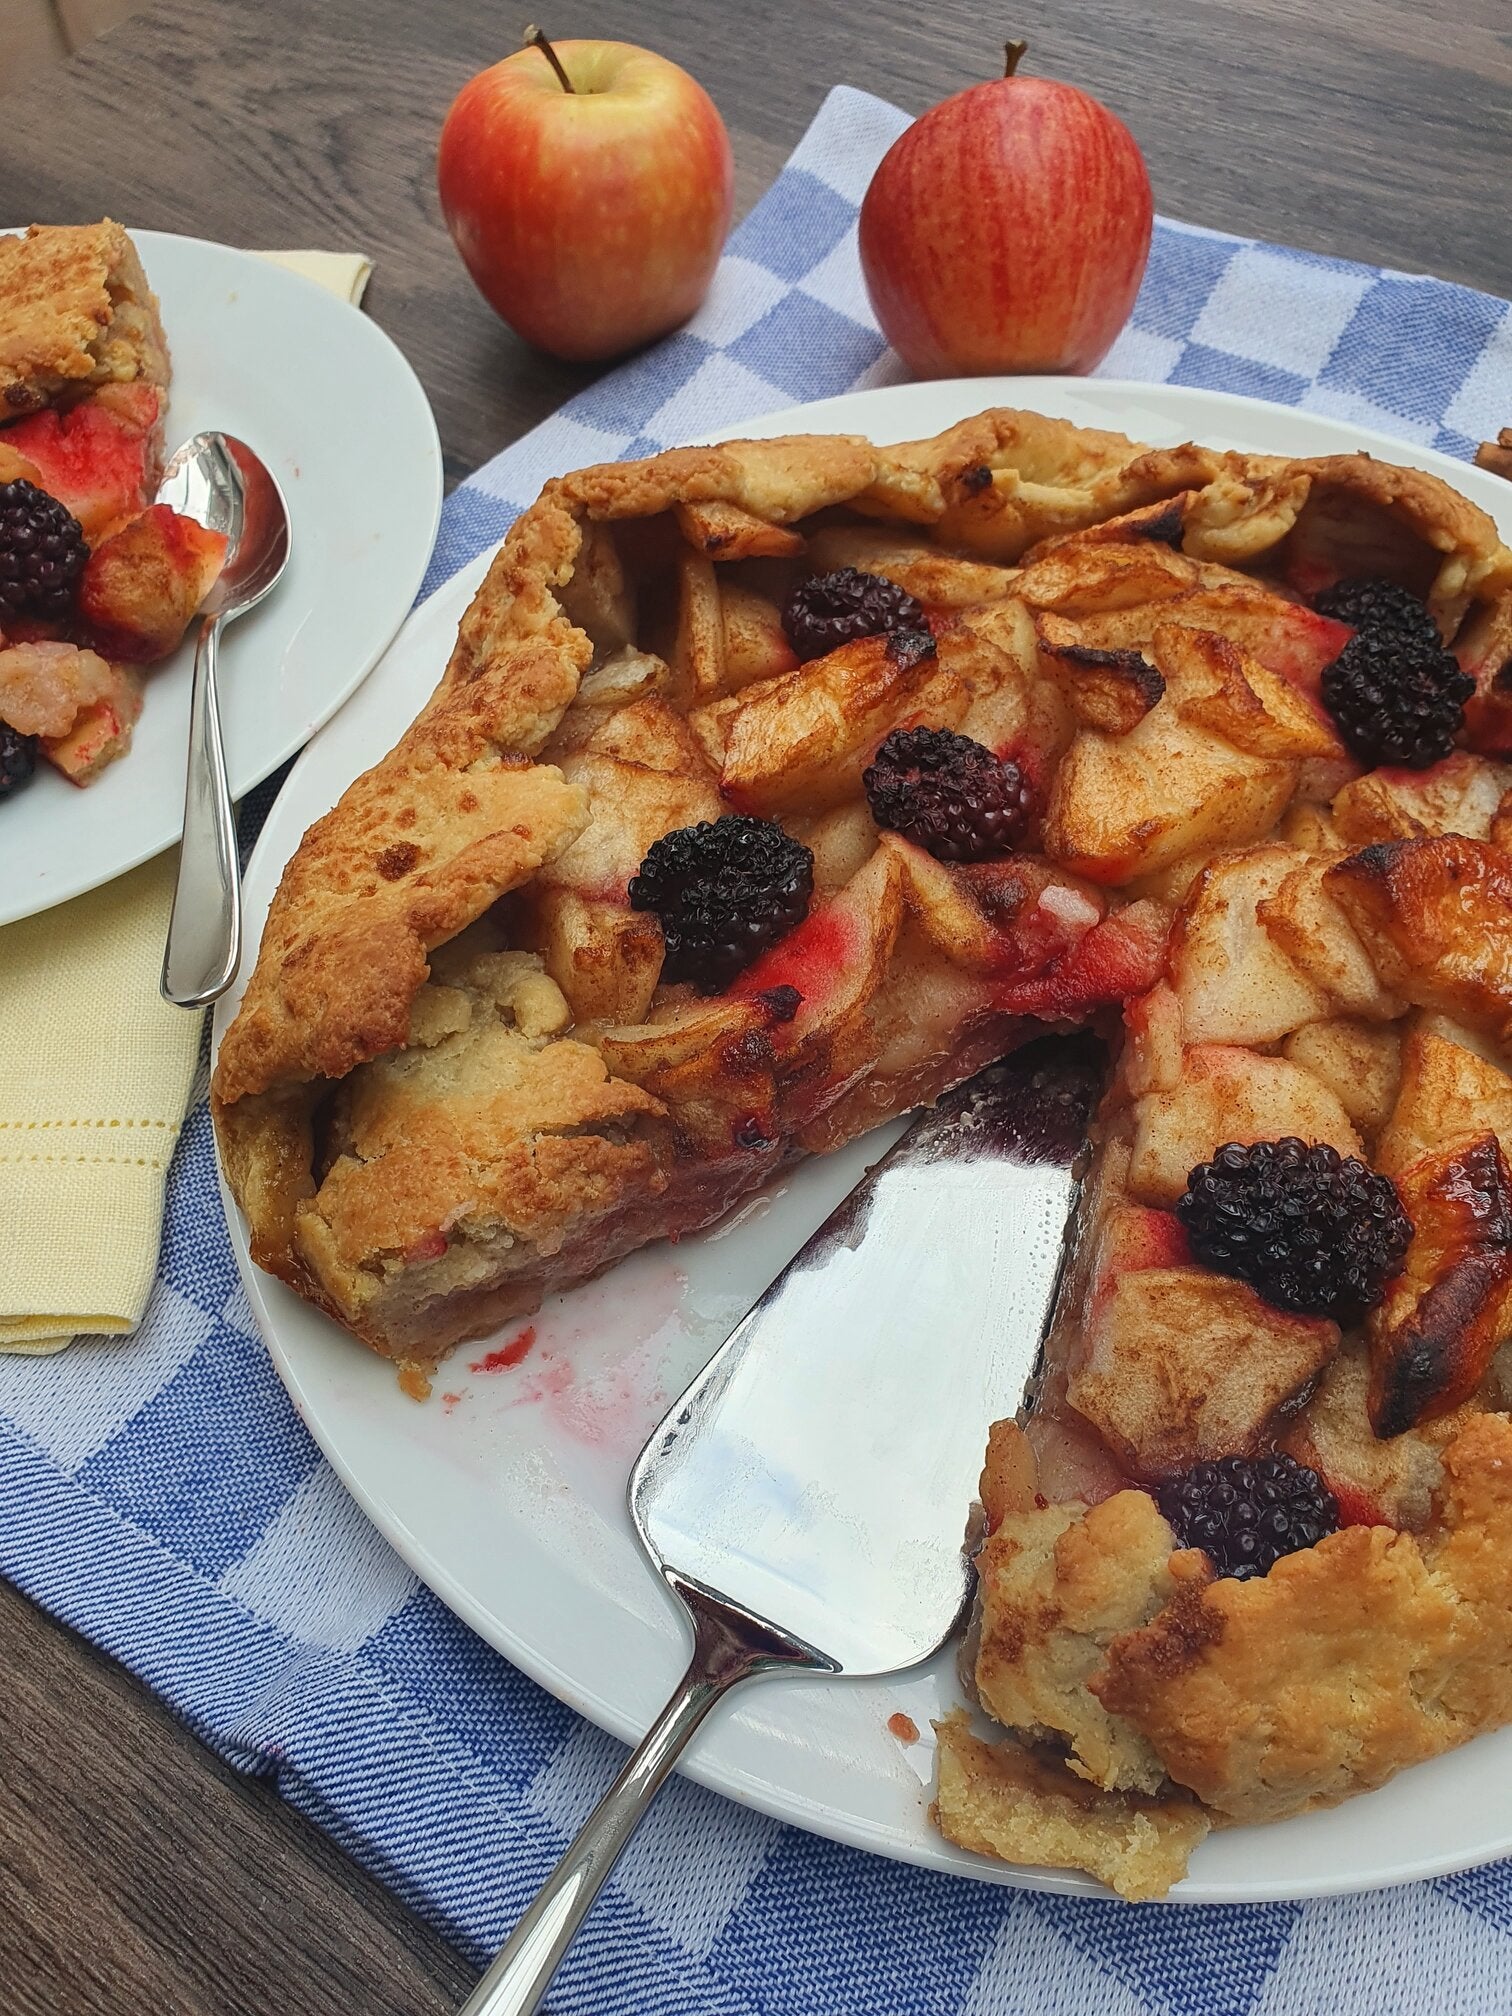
<point x="728" y="1647"/>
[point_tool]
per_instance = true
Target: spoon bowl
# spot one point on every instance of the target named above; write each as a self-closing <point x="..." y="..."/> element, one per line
<point x="223" y="485"/>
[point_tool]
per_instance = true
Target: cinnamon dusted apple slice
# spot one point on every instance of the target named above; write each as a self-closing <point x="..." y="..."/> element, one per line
<point x="1359" y="1062"/>
<point x="1436" y="918"/>
<point x="1124" y="807"/>
<point x="725" y="531"/>
<point x="1463" y="794"/>
<point x="1183" y="1366"/>
<point x="141" y="586"/>
<point x="1235" y="983"/>
<point x="1433" y="1337"/>
<point x="755" y="644"/>
<point x="1228" y="1094"/>
<point x="1374" y="1483"/>
<point x="1303" y="920"/>
<point x="1449" y="1094"/>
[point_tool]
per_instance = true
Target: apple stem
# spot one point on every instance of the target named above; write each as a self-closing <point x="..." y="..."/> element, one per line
<point x="1013" y="54"/>
<point x="534" y="39"/>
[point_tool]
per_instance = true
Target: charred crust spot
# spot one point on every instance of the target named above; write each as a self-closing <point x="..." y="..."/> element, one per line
<point x="975" y="481"/>
<point x="514" y="759"/>
<point x="781" y="1003"/>
<point x="468" y="802"/>
<point x="405" y="817"/>
<point x="751" y="1132"/>
<point x="907" y="648"/>
<point x="395" y="862"/>
<point x="716" y="542"/>
<point x="1165" y="525"/>
<point x="18" y="398"/>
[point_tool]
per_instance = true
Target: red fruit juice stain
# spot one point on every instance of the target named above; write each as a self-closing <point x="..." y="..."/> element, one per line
<point x="515" y="1352"/>
<point x="449" y="1402"/>
<point x="903" y="1727"/>
<point x="809" y="959"/>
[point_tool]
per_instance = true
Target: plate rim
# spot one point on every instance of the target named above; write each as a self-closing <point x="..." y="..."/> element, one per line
<point x="430" y="483"/>
<point x="446" y="1581"/>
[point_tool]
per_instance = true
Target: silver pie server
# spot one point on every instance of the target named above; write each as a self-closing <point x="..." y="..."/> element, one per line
<point x="218" y="481"/>
<point x="807" y="1497"/>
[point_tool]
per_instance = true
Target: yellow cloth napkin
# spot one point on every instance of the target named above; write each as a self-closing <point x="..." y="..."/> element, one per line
<point x="343" y="273"/>
<point x="96" y="1071"/>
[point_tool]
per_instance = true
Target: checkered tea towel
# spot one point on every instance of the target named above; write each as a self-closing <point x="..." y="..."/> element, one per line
<point x="163" y="1497"/>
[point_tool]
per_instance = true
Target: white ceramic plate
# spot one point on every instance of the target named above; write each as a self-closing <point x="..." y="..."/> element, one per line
<point x="506" y="1492"/>
<point x="339" y="417"/>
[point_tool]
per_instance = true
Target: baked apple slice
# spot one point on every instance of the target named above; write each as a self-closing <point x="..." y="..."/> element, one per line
<point x="141" y="586"/>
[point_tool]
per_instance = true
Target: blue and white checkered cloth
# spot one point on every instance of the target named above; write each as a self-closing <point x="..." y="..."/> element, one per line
<point x="162" y="1496"/>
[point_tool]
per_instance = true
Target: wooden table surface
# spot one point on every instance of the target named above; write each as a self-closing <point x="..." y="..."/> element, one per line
<point x="138" y="1877"/>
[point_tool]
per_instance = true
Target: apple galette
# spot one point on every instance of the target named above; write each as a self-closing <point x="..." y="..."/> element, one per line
<point x="773" y="788"/>
<point x="96" y="581"/>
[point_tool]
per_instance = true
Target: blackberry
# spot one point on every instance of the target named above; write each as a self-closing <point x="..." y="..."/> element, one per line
<point x="1311" y="1230"/>
<point x="1381" y="607"/>
<point x="724" y="891"/>
<point x="829" y="610"/>
<point x="1398" y="697"/>
<point x="42" y="553"/>
<point x="948" y="793"/>
<point x="1245" y="1514"/>
<point x="18" y="760"/>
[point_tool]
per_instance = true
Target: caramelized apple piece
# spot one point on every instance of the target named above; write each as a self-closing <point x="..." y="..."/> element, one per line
<point x="1303" y="920"/>
<point x="1110" y="690"/>
<point x="1222" y="687"/>
<point x="140" y="588"/>
<point x="723" y="531"/>
<point x="1433" y="1337"/>
<point x="800" y="742"/>
<point x="1376" y="1483"/>
<point x="1436" y="918"/>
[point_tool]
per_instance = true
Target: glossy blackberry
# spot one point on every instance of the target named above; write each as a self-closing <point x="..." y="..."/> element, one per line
<point x="947" y="793"/>
<point x="833" y="609"/>
<point x="42" y="553"/>
<point x="1311" y="1230"/>
<point x="1381" y="607"/>
<point x="1398" y="697"/>
<point x="724" y="891"/>
<point x="18" y="760"/>
<point x="1245" y="1514"/>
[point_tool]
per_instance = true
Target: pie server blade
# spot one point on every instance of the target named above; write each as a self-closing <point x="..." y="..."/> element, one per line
<point x="807" y="1497"/>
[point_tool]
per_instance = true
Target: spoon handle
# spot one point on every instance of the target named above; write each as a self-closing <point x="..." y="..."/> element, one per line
<point x="204" y="931"/>
<point x="728" y="1647"/>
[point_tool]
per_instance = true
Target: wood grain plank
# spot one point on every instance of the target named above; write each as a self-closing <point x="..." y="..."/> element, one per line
<point x="141" y="1877"/>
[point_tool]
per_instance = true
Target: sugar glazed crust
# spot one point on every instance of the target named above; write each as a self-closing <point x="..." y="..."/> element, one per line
<point x="458" y="1079"/>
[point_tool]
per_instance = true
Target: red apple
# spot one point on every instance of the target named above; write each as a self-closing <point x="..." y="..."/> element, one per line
<point x="588" y="188"/>
<point x="1007" y="230"/>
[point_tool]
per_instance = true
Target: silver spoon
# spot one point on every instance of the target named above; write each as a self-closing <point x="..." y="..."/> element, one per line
<point x="807" y="1497"/>
<point x="218" y="481"/>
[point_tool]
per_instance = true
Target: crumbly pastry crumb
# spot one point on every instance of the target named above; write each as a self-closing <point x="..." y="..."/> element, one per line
<point x="76" y="313"/>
